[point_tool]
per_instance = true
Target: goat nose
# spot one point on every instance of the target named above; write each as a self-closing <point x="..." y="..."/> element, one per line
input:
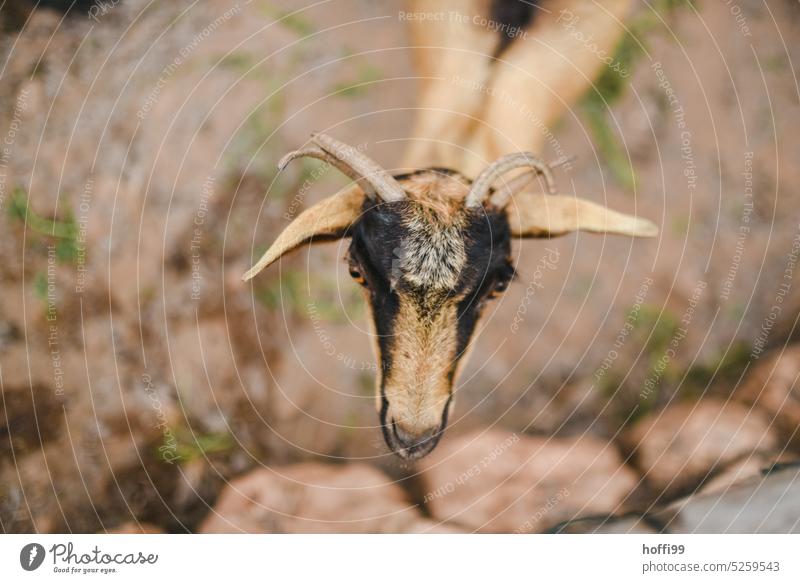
<point x="412" y="440"/>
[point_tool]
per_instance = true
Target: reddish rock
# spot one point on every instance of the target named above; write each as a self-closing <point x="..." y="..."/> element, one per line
<point x="749" y="468"/>
<point x="773" y="386"/>
<point x="493" y="481"/>
<point x="680" y="446"/>
<point x="205" y="370"/>
<point x="315" y="498"/>
<point x="745" y="469"/>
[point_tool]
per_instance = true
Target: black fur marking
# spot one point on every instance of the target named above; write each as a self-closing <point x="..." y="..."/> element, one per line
<point x="378" y="232"/>
<point x="513" y="16"/>
<point x="486" y="268"/>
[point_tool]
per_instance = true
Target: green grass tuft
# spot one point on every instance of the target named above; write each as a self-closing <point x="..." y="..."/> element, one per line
<point x="365" y="76"/>
<point x="65" y="232"/>
<point x="189" y="446"/>
<point x="294" y="22"/>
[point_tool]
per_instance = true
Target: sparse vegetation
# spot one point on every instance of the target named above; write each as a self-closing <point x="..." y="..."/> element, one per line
<point x="65" y="232"/>
<point x="654" y="329"/>
<point x="610" y="86"/>
<point x="724" y="370"/>
<point x="290" y="293"/>
<point x="282" y="293"/>
<point x="365" y="76"/>
<point x="40" y="285"/>
<point x="190" y="446"/>
<point x="294" y="22"/>
<point x="238" y="61"/>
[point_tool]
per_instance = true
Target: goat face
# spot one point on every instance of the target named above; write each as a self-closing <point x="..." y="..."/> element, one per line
<point x="430" y="248"/>
<point x="428" y="265"/>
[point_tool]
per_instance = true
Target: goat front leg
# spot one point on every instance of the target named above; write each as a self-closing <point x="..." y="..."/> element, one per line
<point x="453" y="57"/>
<point x="541" y="74"/>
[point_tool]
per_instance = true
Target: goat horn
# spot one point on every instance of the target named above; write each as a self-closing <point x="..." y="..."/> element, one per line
<point x="378" y="182"/>
<point x="480" y="187"/>
<point x="344" y="168"/>
<point x="502" y="196"/>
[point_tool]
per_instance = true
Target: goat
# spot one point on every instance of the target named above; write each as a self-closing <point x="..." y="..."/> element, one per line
<point x="430" y="247"/>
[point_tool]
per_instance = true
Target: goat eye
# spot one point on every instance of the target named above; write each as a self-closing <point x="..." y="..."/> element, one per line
<point x="357" y="276"/>
<point x="499" y="288"/>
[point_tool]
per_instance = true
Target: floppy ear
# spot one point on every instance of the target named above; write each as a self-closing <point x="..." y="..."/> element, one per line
<point x="327" y="220"/>
<point x="546" y="215"/>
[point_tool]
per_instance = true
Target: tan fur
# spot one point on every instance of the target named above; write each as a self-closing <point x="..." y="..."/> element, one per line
<point x="474" y="108"/>
<point x="543" y="215"/>
<point x="417" y="386"/>
<point x="447" y="48"/>
<point x="442" y="193"/>
<point x="537" y="79"/>
<point x="328" y="218"/>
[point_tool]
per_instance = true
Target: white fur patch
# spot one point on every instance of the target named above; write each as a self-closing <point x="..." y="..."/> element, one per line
<point x="432" y="254"/>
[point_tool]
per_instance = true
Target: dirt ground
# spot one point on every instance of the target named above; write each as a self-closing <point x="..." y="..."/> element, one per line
<point x="139" y="375"/>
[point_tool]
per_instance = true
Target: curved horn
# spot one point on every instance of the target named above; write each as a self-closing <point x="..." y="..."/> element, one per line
<point x="501" y="196"/>
<point x="320" y="154"/>
<point x="361" y="168"/>
<point x="480" y="187"/>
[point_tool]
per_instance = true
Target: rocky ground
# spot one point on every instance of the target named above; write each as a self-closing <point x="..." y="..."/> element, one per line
<point x="640" y="387"/>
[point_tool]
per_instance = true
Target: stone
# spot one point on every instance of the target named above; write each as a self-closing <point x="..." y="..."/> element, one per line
<point x="494" y="481"/>
<point x="315" y="498"/>
<point x="773" y="386"/>
<point x="742" y="470"/>
<point x="679" y="447"/>
<point x="205" y="371"/>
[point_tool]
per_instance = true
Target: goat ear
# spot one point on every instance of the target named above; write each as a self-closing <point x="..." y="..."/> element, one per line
<point x="543" y="215"/>
<point x="327" y="220"/>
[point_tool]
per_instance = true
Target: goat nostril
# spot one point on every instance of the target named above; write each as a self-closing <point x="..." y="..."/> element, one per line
<point x="409" y="440"/>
